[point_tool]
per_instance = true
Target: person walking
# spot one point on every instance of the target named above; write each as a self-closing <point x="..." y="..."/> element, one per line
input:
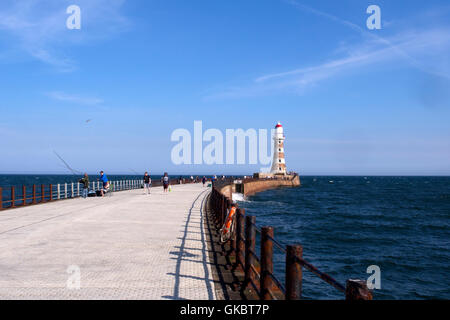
<point x="166" y="182"/>
<point x="147" y="182"/>
<point x="204" y="180"/>
<point x="85" y="182"/>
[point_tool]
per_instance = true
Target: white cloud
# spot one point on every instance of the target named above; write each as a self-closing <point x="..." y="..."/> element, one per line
<point x="38" y="28"/>
<point x="417" y="44"/>
<point x="61" y="96"/>
<point x="422" y="49"/>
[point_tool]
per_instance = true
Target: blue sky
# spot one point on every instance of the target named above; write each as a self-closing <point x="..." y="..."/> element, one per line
<point x="352" y="100"/>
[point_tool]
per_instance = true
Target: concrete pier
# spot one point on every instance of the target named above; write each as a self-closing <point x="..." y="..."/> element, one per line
<point x="127" y="246"/>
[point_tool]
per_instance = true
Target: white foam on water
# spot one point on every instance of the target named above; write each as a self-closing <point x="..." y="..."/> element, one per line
<point x="238" y="197"/>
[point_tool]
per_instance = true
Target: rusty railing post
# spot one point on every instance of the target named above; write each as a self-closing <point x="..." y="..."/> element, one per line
<point x="293" y="272"/>
<point x="42" y="193"/>
<point x="51" y="193"/>
<point x="266" y="262"/>
<point x="24" y="194"/>
<point x="240" y="238"/>
<point x="1" y="198"/>
<point x="13" y="197"/>
<point x="357" y="290"/>
<point x="34" y="194"/>
<point x="250" y="243"/>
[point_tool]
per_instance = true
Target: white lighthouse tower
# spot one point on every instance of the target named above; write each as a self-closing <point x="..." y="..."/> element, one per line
<point x="279" y="162"/>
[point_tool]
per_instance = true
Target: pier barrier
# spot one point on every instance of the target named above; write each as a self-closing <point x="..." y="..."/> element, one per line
<point x="258" y="270"/>
<point x="62" y="191"/>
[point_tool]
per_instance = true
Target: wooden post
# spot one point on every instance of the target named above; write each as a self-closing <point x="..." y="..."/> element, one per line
<point x="42" y="193"/>
<point x="24" y="195"/>
<point x="65" y="190"/>
<point x="13" y="197"/>
<point x="266" y="262"/>
<point x="1" y="198"/>
<point x="34" y="194"/>
<point x="71" y="190"/>
<point x="357" y="290"/>
<point x="78" y="189"/>
<point x="250" y="242"/>
<point x="240" y="238"/>
<point x="293" y="272"/>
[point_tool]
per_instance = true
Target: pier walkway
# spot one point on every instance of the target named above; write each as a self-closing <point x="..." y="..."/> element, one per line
<point x="127" y="246"/>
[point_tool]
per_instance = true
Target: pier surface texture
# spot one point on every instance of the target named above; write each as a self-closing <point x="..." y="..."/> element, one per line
<point x="128" y="246"/>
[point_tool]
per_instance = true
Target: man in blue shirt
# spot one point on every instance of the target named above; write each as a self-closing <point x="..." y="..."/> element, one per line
<point x="104" y="180"/>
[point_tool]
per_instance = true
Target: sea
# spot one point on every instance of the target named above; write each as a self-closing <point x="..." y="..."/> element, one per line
<point x="346" y="224"/>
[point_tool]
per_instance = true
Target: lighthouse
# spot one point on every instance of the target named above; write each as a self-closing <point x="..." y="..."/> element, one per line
<point x="279" y="162"/>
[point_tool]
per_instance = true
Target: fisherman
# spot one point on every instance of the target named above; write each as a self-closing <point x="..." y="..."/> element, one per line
<point x="85" y="182"/>
<point x="147" y="182"/>
<point x="166" y="182"/>
<point x="104" y="180"/>
<point x="204" y="180"/>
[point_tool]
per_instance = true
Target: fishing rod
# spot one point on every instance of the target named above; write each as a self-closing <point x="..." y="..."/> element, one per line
<point x="74" y="172"/>
<point x="137" y="173"/>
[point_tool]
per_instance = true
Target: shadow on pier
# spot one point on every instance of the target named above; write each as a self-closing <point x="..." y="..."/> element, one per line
<point x="189" y="252"/>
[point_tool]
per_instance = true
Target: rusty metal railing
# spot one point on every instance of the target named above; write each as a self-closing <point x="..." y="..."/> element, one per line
<point x="258" y="270"/>
<point x="38" y="194"/>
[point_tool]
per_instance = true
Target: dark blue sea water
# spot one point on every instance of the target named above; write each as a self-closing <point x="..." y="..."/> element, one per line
<point x="401" y="224"/>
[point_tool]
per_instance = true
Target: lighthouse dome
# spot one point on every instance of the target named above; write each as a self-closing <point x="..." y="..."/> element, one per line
<point x="279" y="129"/>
